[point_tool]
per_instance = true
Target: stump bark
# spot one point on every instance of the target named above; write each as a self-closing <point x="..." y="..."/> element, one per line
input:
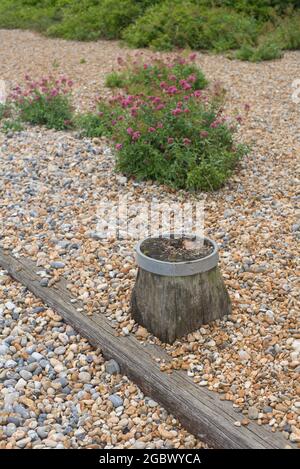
<point x="172" y="306"/>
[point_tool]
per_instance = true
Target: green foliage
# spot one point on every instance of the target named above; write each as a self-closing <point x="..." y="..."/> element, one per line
<point x="172" y="132"/>
<point x="184" y="24"/>
<point x="10" y="125"/>
<point x="26" y="14"/>
<point x="92" y="125"/>
<point x="54" y="113"/>
<point x="265" y="51"/>
<point x="115" y="80"/>
<point x="287" y="33"/>
<point x="89" y="20"/>
<point x="45" y="102"/>
<point x="246" y="26"/>
<point x="139" y="76"/>
<point x="262" y="10"/>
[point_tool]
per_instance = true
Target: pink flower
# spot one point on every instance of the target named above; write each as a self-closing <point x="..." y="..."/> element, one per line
<point x="191" y="78"/>
<point x="172" y="90"/>
<point x="134" y="111"/>
<point x="130" y="131"/>
<point x="163" y="84"/>
<point x="125" y="102"/>
<point x="119" y="146"/>
<point x="192" y="57"/>
<point x="187" y="141"/>
<point x="239" y="119"/>
<point x="151" y="129"/>
<point x="54" y="92"/>
<point x="170" y="140"/>
<point x="197" y="93"/>
<point x="70" y="83"/>
<point x="214" y="124"/>
<point x="203" y="133"/>
<point x="160" y="125"/>
<point x="172" y="77"/>
<point x="145" y="66"/>
<point x="176" y="112"/>
<point x="159" y="107"/>
<point x="135" y="136"/>
<point x="185" y="85"/>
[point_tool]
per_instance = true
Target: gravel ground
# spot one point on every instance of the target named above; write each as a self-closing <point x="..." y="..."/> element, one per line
<point x="57" y="391"/>
<point x="52" y="184"/>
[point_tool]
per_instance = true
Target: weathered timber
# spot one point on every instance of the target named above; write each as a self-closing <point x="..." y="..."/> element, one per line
<point x="174" y="298"/>
<point x="171" y="307"/>
<point x="199" y="410"/>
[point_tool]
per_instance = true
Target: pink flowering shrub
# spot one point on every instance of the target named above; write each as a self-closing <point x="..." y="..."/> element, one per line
<point x="139" y="75"/>
<point x="43" y="102"/>
<point x="180" y="139"/>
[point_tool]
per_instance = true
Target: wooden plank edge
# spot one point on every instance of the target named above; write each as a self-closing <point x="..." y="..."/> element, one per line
<point x="199" y="410"/>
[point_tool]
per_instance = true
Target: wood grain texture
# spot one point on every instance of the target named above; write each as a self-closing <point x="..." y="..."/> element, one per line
<point x="199" y="410"/>
<point x="171" y="307"/>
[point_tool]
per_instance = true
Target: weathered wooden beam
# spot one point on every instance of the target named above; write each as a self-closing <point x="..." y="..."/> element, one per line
<point x="200" y="411"/>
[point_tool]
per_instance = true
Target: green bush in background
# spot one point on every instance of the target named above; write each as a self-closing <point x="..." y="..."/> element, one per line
<point x="184" y="24"/>
<point x="256" y="29"/>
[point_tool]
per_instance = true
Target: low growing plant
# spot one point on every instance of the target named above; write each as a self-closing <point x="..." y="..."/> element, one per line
<point x="267" y="50"/>
<point x="178" y="135"/>
<point x="138" y="76"/>
<point x="10" y="125"/>
<point x="44" y="102"/>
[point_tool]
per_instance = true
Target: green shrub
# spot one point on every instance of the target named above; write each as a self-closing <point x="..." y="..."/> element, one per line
<point x="287" y="33"/>
<point x="138" y="76"/>
<point x="93" y="125"/>
<point x="176" y="136"/>
<point x="265" y="51"/>
<point x="192" y="150"/>
<point x="262" y="10"/>
<point x="26" y="14"/>
<point x="218" y="25"/>
<point x="89" y="20"/>
<point x="182" y="25"/>
<point x="115" y="80"/>
<point x="10" y="125"/>
<point x="44" y="102"/>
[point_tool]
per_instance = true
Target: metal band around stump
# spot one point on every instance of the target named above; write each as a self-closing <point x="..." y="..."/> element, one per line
<point x="177" y="269"/>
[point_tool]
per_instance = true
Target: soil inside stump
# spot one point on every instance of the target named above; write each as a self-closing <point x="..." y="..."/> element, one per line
<point x="176" y="249"/>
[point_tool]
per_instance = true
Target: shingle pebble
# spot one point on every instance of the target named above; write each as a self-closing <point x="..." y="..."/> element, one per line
<point x="253" y="359"/>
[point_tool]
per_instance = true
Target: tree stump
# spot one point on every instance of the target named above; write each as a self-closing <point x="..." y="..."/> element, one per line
<point x="173" y="298"/>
